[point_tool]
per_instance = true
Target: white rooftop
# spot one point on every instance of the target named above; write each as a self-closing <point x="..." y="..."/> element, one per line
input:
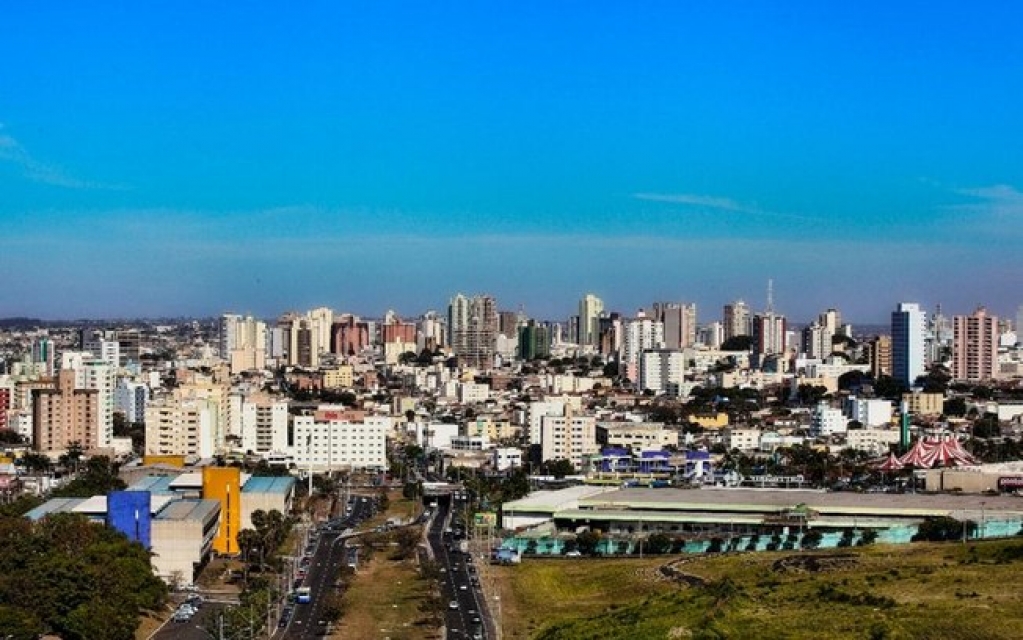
<point x="567" y="498"/>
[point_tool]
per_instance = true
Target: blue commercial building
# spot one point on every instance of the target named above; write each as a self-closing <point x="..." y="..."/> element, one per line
<point x="130" y="513"/>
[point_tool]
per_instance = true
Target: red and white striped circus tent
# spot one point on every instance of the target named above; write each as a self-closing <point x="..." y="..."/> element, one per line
<point x="891" y="463"/>
<point x="943" y="450"/>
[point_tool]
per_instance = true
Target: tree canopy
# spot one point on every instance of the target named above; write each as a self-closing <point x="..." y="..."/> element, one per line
<point x="737" y="343"/>
<point x="67" y="576"/>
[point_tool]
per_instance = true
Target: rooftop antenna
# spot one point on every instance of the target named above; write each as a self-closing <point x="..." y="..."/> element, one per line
<point x="770" y="295"/>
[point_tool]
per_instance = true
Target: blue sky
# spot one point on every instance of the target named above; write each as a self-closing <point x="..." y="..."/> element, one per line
<point x="169" y="160"/>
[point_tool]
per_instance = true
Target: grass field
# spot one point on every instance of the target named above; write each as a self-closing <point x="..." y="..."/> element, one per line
<point x="913" y="592"/>
<point x="383" y="602"/>
<point x="385" y="596"/>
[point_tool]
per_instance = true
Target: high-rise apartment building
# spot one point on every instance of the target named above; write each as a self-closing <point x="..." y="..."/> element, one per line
<point x="534" y="341"/>
<point x="260" y="422"/>
<point x="350" y="335"/>
<point x="395" y="330"/>
<point x="473" y="325"/>
<point x="65" y="414"/>
<point x="640" y="333"/>
<point x="590" y="309"/>
<point x="43" y="351"/>
<point x="819" y="335"/>
<point x="736" y="319"/>
<point x="181" y="427"/>
<point x="432" y="331"/>
<point x="880" y="354"/>
<point x="130" y="399"/>
<point x="93" y="373"/>
<point x="508" y="323"/>
<point x="769" y="334"/>
<point x="243" y="342"/>
<point x="661" y="369"/>
<point x="909" y="328"/>
<point x="975" y="346"/>
<point x="569" y="437"/>
<point x="679" y="323"/>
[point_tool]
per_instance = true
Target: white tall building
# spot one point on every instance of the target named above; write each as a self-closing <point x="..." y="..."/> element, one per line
<point x="263" y="424"/>
<point x="736" y="319"/>
<point x="243" y="342"/>
<point x="909" y="331"/>
<point x="590" y="309"/>
<point x="431" y="332"/>
<point x="661" y="368"/>
<point x="537" y="412"/>
<point x="130" y="399"/>
<point x="827" y="421"/>
<point x="640" y="333"/>
<point x="320" y="321"/>
<point x="337" y="445"/>
<point x="870" y="412"/>
<point x="96" y="374"/>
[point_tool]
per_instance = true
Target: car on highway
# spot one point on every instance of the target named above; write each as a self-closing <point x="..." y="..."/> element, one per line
<point x="453" y="605"/>
<point x="463" y="587"/>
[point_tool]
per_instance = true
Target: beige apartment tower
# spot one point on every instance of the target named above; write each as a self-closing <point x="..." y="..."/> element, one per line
<point x="65" y="415"/>
<point x="975" y="346"/>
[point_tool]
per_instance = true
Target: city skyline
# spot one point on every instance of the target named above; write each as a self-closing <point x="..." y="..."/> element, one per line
<point x="169" y="161"/>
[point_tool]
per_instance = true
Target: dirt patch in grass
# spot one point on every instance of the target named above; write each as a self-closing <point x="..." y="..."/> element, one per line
<point x="384" y="601"/>
<point x="814" y="563"/>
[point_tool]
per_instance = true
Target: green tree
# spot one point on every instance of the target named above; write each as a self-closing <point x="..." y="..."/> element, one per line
<point x="986" y="426"/>
<point x="955" y="407"/>
<point x="100" y="476"/>
<point x="8" y="437"/>
<point x="811" y="539"/>
<point x="587" y="542"/>
<point x="943" y="528"/>
<point x="658" y="543"/>
<point x="737" y="343"/>
<point x="889" y="388"/>
<point x="71" y="575"/>
<point x="36" y="462"/>
<point x="558" y="468"/>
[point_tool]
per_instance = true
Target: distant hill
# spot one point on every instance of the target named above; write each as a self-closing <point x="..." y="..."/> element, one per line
<point x="16" y="323"/>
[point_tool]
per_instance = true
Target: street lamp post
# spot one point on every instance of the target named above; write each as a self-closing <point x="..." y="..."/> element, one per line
<point x="983" y="519"/>
<point x="497" y="620"/>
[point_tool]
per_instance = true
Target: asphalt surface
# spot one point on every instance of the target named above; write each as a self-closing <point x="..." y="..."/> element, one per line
<point x="323" y="569"/>
<point x="456" y="581"/>
<point x="195" y="628"/>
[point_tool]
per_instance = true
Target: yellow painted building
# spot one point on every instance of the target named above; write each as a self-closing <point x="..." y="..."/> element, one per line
<point x="342" y="377"/>
<point x="925" y="404"/>
<point x="710" y="420"/>
<point x="170" y="461"/>
<point x="224" y="485"/>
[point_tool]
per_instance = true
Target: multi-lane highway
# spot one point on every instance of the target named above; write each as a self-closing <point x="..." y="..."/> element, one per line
<point x="327" y="554"/>
<point x="459" y="582"/>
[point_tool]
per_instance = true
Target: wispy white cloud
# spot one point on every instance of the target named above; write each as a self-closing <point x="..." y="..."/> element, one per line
<point x="13" y="152"/>
<point x="699" y="201"/>
<point x="1000" y="200"/>
<point x="696" y="200"/>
